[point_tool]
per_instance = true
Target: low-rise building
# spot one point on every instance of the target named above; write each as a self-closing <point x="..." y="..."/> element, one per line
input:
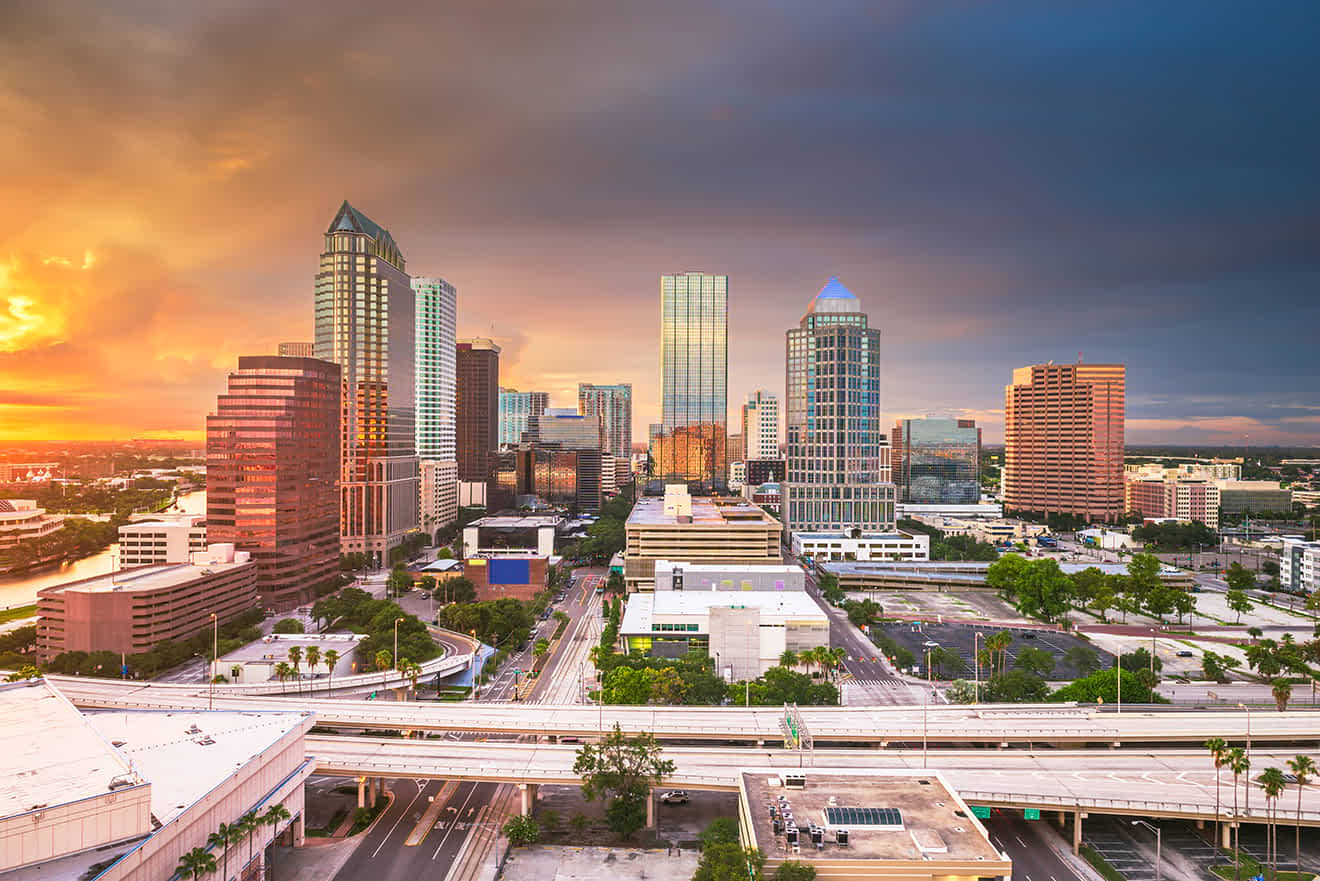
<point x="700" y="529"/>
<point x="512" y="536"/>
<point x="953" y="576"/>
<point x="852" y="824"/>
<point x="21" y="521"/>
<point x="503" y="577"/>
<point x="1240" y="497"/>
<point x="121" y="796"/>
<point x="671" y="575"/>
<point x="745" y="631"/>
<point x="1108" y="539"/>
<point x="769" y="496"/>
<point x="993" y="531"/>
<point x="259" y="661"/>
<point x="1299" y="565"/>
<point x="980" y="510"/>
<point x="152" y="539"/>
<point x="1180" y="497"/>
<point x="856" y="545"/>
<point x="131" y="610"/>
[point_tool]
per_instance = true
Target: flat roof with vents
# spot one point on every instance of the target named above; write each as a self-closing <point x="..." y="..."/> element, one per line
<point x="855" y="818"/>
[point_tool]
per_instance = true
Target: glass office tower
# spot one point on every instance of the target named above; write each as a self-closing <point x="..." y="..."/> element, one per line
<point x="437" y="315"/>
<point x="688" y="445"/>
<point x="837" y="456"/>
<point x="613" y="404"/>
<point x="518" y="414"/>
<point x="365" y="314"/>
<point x="937" y="461"/>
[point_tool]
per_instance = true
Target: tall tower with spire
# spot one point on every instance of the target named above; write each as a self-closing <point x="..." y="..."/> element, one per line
<point x="365" y="317"/>
<point x="837" y="454"/>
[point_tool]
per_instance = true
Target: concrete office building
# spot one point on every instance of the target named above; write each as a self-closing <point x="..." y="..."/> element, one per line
<point x="130" y="611"/>
<point x="612" y="404"/>
<point x="1299" y="565"/>
<point x="937" y="461"/>
<point x="760" y="426"/>
<point x="1063" y="440"/>
<point x="296" y="350"/>
<point x="122" y="795"/>
<point x="152" y="539"/>
<point x="735" y="447"/>
<point x="696" y="576"/>
<point x="478" y="407"/>
<point x="837" y="455"/>
<point x="272" y="462"/>
<point x="1180" y="498"/>
<point x="23" y="523"/>
<point x="745" y="631"/>
<point x="737" y="475"/>
<point x="436" y="434"/>
<point x="512" y="536"/>
<point x="769" y="495"/>
<point x="703" y="529"/>
<point x="688" y="444"/>
<point x="1237" y="498"/>
<point x="365" y="316"/>
<point x="858" y="545"/>
<point x="519" y="412"/>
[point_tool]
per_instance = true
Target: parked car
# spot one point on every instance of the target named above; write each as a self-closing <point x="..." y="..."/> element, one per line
<point x="674" y="797"/>
<point x="1186" y="654"/>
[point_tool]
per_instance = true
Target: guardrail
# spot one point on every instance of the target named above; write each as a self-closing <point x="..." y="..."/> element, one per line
<point x="1134" y="805"/>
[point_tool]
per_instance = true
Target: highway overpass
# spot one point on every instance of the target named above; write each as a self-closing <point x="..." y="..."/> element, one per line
<point x="989" y="724"/>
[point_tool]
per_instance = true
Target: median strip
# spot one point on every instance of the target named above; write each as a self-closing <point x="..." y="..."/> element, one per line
<point x="427" y="822"/>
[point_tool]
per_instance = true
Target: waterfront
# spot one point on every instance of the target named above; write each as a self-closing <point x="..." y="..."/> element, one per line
<point x="20" y="590"/>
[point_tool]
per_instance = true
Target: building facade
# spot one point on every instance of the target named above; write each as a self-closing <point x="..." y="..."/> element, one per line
<point x="296" y="350"/>
<point x="760" y="426"/>
<point x="365" y="316"/>
<point x="24" y="531"/>
<point x="437" y="444"/>
<point x="837" y="455"/>
<point x="1239" y="498"/>
<point x="937" y="461"/>
<point x="1063" y="440"/>
<point x="272" y="466"/>
<point x="478" y="407"/>
<point x="1187" y="499"/>
<point x="1299" y="565"/>
<point x="613" y="405"/>
<point x="149" y="540"/>
<point x="131" y="611"/>
<point x="519" y="412"/>
<point x="688" y="444"/>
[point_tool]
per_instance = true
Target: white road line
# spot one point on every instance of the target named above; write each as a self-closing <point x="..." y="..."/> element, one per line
<point x="454" y="825"/>
<point x="402" y="814"/>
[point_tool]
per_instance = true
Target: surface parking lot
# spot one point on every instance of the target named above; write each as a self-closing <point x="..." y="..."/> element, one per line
<point x="962" y="639"/>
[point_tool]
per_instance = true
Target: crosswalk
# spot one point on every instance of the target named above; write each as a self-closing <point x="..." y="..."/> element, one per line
<point x="878" y="681"/>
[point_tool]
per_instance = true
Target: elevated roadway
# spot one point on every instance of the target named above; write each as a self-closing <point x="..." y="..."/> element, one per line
<point x="1166" y="783"/>
<point x="1007" y="725"/>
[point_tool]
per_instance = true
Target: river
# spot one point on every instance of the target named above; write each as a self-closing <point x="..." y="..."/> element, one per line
<point x="20" y="590"/>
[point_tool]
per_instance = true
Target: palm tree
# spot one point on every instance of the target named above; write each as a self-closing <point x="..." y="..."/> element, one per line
<point x="837" y="654"/>
<point x="1219" y="756"/>
<point x="1303" y="768"/>
<point x="283" y="671"/>
<point x="313" y="658"/>
<point x="788" y="659"/>
<point x="295" y="658"/>
<point x="1272" y="782"/>
<point x="1239" y="764"/>
<point x="195" y="863"/>
<point x="249" y="823"/>
<point x="331" y="658"/>
<point x="225" y="835"/>
<point x="1282" y="691"/>
<point x="275" y="814"/>
<point x="384" y="660"/>
<point x="412" y="671"/>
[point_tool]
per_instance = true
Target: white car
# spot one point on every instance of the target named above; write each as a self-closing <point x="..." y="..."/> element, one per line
<point x="674" y="797"/>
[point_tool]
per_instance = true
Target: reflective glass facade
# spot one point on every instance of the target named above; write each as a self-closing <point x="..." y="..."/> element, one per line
<point x="937" y="461"/>
<point x="613" y="404"/>
<point x="689" y="444"/>
<point x="435" y="328"/>
<point x="365" y="317"/>
<point x="272" y="471"/>
<point x="837" y="453"/>
<point x="518" y="411"/>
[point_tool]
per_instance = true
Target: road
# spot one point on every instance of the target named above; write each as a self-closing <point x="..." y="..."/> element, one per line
<point x="1027" y="845"/>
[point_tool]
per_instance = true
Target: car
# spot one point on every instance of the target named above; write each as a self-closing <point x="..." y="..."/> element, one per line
<point x="1186" y="654"/>
<point x="426" y="595"/>
<point x="674" y="797"/>
<point x="559" y="598"/>
<point x="930" y="644"/>
<point x="1028" y="634"/>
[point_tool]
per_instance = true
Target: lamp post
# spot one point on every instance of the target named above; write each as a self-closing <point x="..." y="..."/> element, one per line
<point x="925" y="703"/>
<point x="1243" y="706"/>
<point x="1118" y="678"/>
<point x="396" y="642"/>
<point x="976" y="657"/>
<point x="476" y="653"/>
<point x="1159" y="841"/>
<point x="215" y="650"/>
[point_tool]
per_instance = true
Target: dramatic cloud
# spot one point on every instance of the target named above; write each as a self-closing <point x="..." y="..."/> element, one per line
<point x="1001" y="183"/>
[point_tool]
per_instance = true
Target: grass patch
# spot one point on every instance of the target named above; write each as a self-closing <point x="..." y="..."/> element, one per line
<point x="363" y="817"/>
<point x="1249" y="867"/>
<point x="18" y="612"/>
<point x="329" y="828"/>
<point x="1100" y="864"/>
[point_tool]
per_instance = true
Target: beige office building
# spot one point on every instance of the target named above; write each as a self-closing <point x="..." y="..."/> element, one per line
<point x="699" y="529"/>
<point x="149" y="540"/>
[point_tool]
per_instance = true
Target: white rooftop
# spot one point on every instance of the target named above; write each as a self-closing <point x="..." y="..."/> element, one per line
<point x="532" y="522"/>
<point x="147" y="577"/>
<point x="644" y="608"/>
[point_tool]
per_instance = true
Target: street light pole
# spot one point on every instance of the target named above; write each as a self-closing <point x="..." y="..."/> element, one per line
<point x="396" y="642"/>
<point x="215" y="649"/>
<point x="1248" y="709"/>
<point x="1159" y="841"/>
<point x="976" y="657"/>
<point x="925" y="702"/>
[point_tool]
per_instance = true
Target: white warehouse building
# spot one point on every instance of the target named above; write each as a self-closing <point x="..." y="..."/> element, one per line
<point x="745" y="631"/>
<point x="864" y="546"/>
<point x="674" y="575"/>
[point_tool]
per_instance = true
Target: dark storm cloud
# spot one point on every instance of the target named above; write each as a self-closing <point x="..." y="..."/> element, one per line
<point x="1001" y="182"/>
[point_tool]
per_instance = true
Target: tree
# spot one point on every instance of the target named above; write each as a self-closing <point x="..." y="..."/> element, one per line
<point x="728" y="861"/>
<point x="1216" y="667"/>
<point x="1240" y="578"/>
<point x="275" y="815"/>
<point x="313" y="658"/>
<point x="283" y="670"/>
<point x="1016" y="687"/>
<point x="1140" y="659"/>
<point x="1303" y="768"/>
<point x="829" y="588"/>
<point x="384" y="660"/>
<point x="1183" y="603"/>
<point x="996" y="646"/>
<point x="1239" y="602"/>
<point x="721" y="830"/>
<point x="289" y="625"/>
<point x="1272" y="783"/>
<point x="249" y="823"/>
<point x="1083" y="659"/>
<point x="1043" y="591"/>
<point x="961" y="691"/>
<point x="331" y="659"/>
<point x="1282" y="690"/>
<point x="1143" y="576"/>
<point x="863" y="612"/>
<point x="400" y="582"/>
<point x="1003" y="574"/>
<point x="1218" y="748"/>
<point x="521" y="830"/>
<point x="788" y="659"/>
<point x="224" y="835"/>
<point x="195" y="863"/>
<point x="668" y="687"/>
<point x="1239" y="764"/>
<point x="1036" y="660"/>
<point x="1103" y="600"/>
<point x="295" y="658"/>
<point x="1161" y="600"/>
<point x="1102" y="685"/>
<point x="622" y="769"/>
<point x="792" y="870"/>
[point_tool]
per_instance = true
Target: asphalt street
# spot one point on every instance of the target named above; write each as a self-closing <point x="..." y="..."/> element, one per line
<point x="1025" y="842"/>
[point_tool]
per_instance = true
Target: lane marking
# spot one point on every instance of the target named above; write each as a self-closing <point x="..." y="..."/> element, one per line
<point x="450" y="830"/>
<point x="402" y="814"/>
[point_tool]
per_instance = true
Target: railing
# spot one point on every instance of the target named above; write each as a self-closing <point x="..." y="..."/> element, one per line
<point x="1132" y="804"/>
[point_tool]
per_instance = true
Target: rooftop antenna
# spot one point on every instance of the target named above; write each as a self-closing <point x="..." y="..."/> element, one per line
<point x="1079" y="357"/>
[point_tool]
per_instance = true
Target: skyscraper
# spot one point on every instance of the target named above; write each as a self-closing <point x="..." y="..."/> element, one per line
<point x="937" y="461"/>
<point x="365" y="314"/>
<point x="272" y="466"/>
<point x="518" y="412"/>
<point x="478" y="407"/>
<point x="694" y="372"/>
<point x="437" y="312"/>
<point x="613" y="405"/>
<point x="838" y="461"/>
<point x="1063" y="440"/>
<point x="760" y="426"/>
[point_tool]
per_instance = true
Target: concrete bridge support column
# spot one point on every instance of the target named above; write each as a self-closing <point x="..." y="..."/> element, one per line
<point x="1226" y="835"/>
<point x="650" y="809"/>
<point x="1200" y="823"/>
<point x="528" y="793"/>
<point x="1063" y="819"/>
<point x="362" y="792"/>
<point x="1077" y="831"/>
<point x="297" y="830"/>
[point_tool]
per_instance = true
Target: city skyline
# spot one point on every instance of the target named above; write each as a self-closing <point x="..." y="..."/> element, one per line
<point x="811" y="146"/>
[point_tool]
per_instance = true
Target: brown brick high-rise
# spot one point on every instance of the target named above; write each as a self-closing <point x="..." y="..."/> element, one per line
<point x="1063" y="440"/>
<point x="272" y="473"/>
<point x="478" y="407"/>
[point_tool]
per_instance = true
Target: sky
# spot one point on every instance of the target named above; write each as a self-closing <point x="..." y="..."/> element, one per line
<point x="1001" y="183"/>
